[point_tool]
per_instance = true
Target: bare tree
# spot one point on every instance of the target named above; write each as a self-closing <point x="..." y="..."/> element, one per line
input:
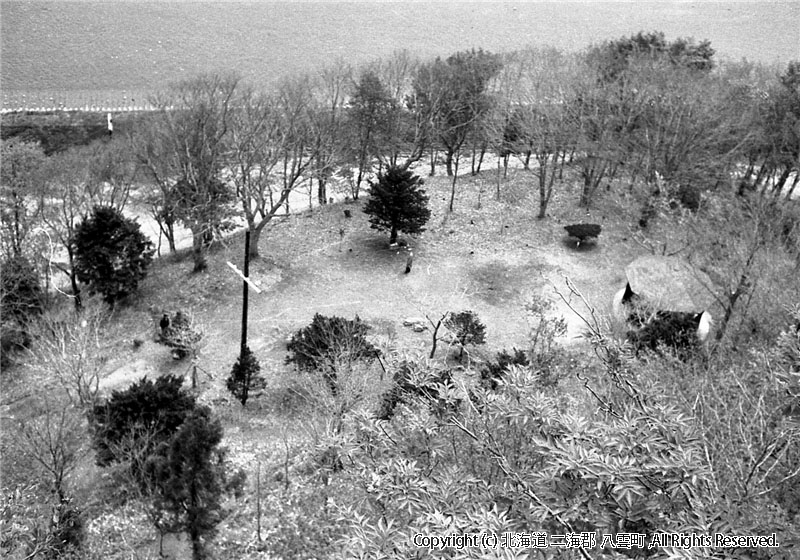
<point x="159" y="196"/>
<point x="328" y="121"/>
<point x="64" y="200"/>
<point x="51" y="439"/>
<point x="190" y="136"/>
<point x="255" y="150"/>
<point x="543" y="121"/>
<point x="297" y="149"/>
<point x="21" y="181"/>
<point x="67" y="348"/>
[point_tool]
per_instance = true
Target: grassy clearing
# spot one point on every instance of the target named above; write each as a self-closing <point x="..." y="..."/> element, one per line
<point x="490" y="257"/>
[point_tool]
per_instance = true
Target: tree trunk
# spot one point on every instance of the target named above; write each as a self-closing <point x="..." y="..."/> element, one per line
<point x="453" y="185"/>
<point x="198" y="551"/>
<point x="73" y="281"/>
<point x="198" y="254"/>
<point x="779" y="184"/>
<point x="170" y="234"/>
<point x="544" y="192"/>
<point x="322" y="191"/>
<point x="449" y="162"/>
<point x="255" y="235"/>
<point x="480" y="160"/>
<point x="433" y="162"/>
<point x="393" y="236"/>
<point x="498" y="179"/>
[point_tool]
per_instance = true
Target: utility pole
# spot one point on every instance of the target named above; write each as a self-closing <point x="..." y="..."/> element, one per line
<point x="245" y="276"/>
<point x="245" y="291"/>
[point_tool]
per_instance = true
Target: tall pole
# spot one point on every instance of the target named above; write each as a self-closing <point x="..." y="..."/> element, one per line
<point x="244" y="290"/>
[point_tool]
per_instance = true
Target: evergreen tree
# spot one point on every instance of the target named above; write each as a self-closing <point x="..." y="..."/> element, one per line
<point x="189" y="479"/>
<point x="244" y="375"/>
<point x="111" y="253"/>
<point x="133" y="422"/>
<point x="397" y="203"/>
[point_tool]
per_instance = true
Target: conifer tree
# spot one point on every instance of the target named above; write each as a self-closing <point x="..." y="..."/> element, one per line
<point x="244" y="375"/>
<point x="189" y="480"/>
<point x="397" y="203"/>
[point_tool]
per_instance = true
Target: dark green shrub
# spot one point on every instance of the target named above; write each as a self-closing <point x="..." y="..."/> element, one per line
<point x="492" y="372"/>
<point x="690" y="197"/>
<point x="583" y="232"/>
<point x="404" y="389"/>
<point x="130" y="425"/>
<point x="111" y="253"/>
<point x="329" y="342"/>
<point x="673" y="329"/>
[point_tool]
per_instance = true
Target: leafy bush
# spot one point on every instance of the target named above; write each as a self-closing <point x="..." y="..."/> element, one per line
<point x="467" y="329"/>
<point x="111" y="253"/>
<point x="397" y="203"/>
<point x="409" y="383"/>
<point x="545" y="353"/>
<point x="329" y="342"/>
<point x="492" y="372"/>
<point x="133" y="422"/>
<point x="673" y="329"/>
<point x="244" y="376"/>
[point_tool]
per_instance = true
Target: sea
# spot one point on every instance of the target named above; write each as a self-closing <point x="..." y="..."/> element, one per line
<point x="117" y="53"/>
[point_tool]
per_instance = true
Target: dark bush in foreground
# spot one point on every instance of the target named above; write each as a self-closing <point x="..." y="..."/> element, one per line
<point x="136" y="420"/>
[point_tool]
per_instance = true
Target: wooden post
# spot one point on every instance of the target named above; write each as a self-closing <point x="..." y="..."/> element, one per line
<point x="258" y="500"/>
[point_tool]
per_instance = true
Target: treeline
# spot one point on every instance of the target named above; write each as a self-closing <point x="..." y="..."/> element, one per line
<point x="657" y="114"/>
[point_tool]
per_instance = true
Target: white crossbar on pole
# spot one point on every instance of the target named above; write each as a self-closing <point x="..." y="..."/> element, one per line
<point x="243" y="277"/>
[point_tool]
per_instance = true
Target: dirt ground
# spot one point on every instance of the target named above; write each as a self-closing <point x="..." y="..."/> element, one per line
<point x="491" y="259"/>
